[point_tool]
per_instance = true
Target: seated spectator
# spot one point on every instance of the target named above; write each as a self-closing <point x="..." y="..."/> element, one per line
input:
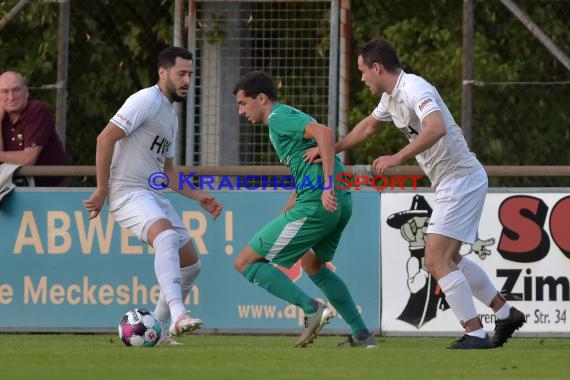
<point x="28" y="133"/>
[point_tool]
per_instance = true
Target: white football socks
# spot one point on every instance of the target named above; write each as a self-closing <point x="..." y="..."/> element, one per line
<point x="481" y="286"/>
<point x="162" y="312"/>
<point x="187" y="277"/>
<point x="167" y="270"/>
<point x="504" y="311"/>
<point x="459" y="297"/>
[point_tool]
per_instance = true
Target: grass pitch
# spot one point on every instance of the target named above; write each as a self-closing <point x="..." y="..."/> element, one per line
<point x="101" y="357"/>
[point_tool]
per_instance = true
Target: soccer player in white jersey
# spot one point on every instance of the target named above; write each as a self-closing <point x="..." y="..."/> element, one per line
<point x="459" y="180"/>
<point x="137" y="142"/>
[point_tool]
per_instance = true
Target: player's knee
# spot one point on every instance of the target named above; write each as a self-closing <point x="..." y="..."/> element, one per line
<point x="431" y="263"/>
<point x="438" y="266"/>
<point x="166" y="240"/>
<point x="250" y="270"/>
<point x="245" y="258"/>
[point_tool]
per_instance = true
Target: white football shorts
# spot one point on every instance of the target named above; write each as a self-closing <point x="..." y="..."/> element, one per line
<point x="458" y="207"/>
<point x="138" y="210"/>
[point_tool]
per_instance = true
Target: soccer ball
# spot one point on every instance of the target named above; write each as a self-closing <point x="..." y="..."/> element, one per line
<point x="138" y="328"/>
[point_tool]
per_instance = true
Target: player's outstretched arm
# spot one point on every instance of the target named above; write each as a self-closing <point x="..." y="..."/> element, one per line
<point x="363" y="130"/>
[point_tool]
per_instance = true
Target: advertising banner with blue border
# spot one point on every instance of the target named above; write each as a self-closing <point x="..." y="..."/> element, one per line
<point x="60" y="272"/>
<point x="523" y="245"/>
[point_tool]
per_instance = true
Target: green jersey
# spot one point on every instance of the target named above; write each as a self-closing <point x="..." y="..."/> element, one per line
<point x="286" y="131"/>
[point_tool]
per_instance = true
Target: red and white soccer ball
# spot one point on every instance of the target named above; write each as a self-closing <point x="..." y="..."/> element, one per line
<point x="138" y="328"/>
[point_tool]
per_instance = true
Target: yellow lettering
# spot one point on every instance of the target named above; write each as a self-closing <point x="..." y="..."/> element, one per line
<point x="85" y="293"/>
<point x="123" y="296"/>
<point x="88" y="292"/>
<point x="57" y="294"/>
<point x="40" y="292"/>
<point x="106" y="294"/>
<point x="95" y="228"/>
<point x="62" y="231"/>
<point x="136" y="289"/>
<point x="291" y="311"/>
<point x="196" y="234"/>
<point x="71" y="297"/>
<point x="28" y="223"/>
<point x="6" y="294"/>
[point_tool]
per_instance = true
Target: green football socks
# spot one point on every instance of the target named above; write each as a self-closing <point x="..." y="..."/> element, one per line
<point x="338" y="295"/>
<point x="264" y="274"/>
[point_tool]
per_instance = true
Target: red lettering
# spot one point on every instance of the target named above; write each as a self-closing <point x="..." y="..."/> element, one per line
<point x="397" y="180"/>
<point x="343" y="178"/>
<point x="360" y="180"/>
<point x="559" y="222"/>
<point x="523" y="238"/>
<point x="377" y="178"/>
<point x="414" y="179"/>
<point x="424" y="103"/>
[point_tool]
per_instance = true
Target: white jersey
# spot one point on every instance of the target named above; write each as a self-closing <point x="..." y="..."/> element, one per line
<point x="150" y="124"/>
<point x="413" y="99"/>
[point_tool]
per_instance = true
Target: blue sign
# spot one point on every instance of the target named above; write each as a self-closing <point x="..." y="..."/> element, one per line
<point x="60" y="272"/>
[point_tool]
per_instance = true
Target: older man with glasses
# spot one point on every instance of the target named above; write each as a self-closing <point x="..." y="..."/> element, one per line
<point x="28" y="133"/>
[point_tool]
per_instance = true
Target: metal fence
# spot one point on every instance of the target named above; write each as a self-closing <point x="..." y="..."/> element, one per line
<point x="512" y="130"/>
<point x="112" y="46"/>
<point x="112" y="49"/>
<point x="289" y="40"/>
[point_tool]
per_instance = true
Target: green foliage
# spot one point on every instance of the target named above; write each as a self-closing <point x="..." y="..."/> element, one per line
<point x="110" y="58"/>
<point x="113" y="45"/>
<point x="428" y="46"/>
<point x="213" y="31"/>
<point x="512" y="124"/>
<point x="524" y="124"/>
<point x="33" y="54"/>
<point x="112" y="53"/>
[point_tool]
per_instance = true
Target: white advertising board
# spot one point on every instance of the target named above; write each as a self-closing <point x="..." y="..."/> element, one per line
<point x="523" y="245"/>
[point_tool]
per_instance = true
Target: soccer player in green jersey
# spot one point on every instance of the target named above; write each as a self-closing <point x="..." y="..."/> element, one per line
<point x="313" y="219"/>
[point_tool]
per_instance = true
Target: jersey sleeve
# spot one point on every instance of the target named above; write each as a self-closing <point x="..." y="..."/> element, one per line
<point x="422" y="99"/>
<point x="138" y="108"/>
<point x="381" y="113"/>
<point x="291" y="124"/>
<point x="299" y="132"/>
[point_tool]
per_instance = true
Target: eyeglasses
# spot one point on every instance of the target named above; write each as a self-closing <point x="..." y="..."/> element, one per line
<point x="15" y="90"/>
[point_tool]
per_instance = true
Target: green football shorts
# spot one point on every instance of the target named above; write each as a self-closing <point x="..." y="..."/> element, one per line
<point x="308" y="225"/>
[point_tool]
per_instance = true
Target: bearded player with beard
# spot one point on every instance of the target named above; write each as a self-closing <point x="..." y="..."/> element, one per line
<point x="137" y="143"/>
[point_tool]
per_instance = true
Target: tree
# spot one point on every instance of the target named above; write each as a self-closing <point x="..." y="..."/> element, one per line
<point x="112" y="53"/>
<point x="113" y="45"/>
<point x="512" y="124"/>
